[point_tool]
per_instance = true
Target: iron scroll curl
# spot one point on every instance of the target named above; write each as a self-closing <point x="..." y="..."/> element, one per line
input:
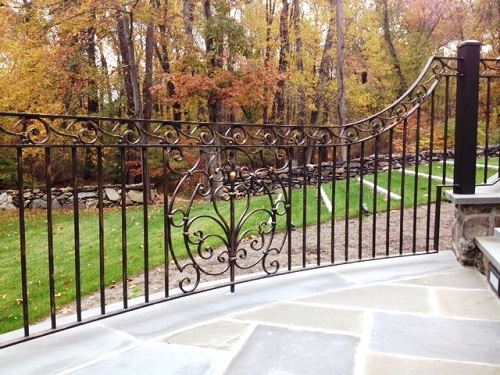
<point x="230" y="178"/>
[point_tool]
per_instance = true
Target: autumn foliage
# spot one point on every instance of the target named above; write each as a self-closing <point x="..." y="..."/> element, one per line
<point x="158" y="58"/>
<point x="257" y="61"/>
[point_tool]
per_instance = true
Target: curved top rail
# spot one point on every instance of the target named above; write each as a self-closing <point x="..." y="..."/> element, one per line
<point x="38" y="129"/>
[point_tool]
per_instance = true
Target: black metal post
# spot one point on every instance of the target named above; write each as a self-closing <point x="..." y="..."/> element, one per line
<point x="466" y="117"/>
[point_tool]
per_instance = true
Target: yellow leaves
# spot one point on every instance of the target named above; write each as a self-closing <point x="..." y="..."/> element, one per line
<point x="39" y="50"/>
<point x="29" y="77"/>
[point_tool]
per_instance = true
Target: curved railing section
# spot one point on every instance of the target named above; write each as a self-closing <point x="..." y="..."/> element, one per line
<point x="235" y="199"/>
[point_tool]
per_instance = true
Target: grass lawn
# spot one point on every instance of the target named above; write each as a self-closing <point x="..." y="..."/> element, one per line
<point x="482" y="173"/>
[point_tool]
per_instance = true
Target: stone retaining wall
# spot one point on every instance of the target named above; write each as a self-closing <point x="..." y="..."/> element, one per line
<point x="357" y="167"/>
<point x="343" y="169"/>
<point x="88" y="197"/>
<point x="472" y="220"/>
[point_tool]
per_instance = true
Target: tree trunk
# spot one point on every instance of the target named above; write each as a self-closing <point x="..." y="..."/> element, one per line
<point x="341" y="105"/>
<point x="163" y="57"/>
<point x="270" y="9"/>
<point x="161" y="49"/>
<point x="92" y="98"/>
<point x="324" y="70"/>
<point x="131" y="75"/>
<point x="125" y="63"/>
<point x="148" y="105"/>
<point x="214" y="102"/>
<point x="148" y="77"/>
<point x="390" y="46"/>
<point x="187" y="15"/>
<point x="278" y="113"/>
<point x="301" y="117"/>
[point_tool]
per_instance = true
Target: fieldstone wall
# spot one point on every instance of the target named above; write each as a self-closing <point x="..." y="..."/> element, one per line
<point x="300" y="175"/>
<point x="311" y="173"/>
<point x="472" y="220"/>
<point x="88" y="197"/>
<point x="356" y="167"/>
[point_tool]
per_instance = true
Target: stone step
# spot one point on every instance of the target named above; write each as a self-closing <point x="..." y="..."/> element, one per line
<point x="490" y="247"/>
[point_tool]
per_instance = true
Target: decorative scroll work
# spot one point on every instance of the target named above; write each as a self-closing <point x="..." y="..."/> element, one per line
<point x="490" y="68"/>
<point x="243" y="216"/>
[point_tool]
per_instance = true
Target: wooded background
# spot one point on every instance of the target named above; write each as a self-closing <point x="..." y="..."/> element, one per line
<point x="321" y="62"/>
<point x="260" y="61"/>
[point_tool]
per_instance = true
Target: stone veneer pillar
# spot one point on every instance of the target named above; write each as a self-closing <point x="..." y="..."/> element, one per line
<point x="475" y="216"/>
<point x="472" y="220"/>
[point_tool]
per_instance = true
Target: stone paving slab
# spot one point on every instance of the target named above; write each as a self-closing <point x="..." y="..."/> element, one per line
<point x="276" y="351"/>
<point x="393" y="269"/>
<point x="154" y="358"/>
<point x="221" y="302"/>
<point x="388" y="364"/>
<point x="221" y="335"/>
<point x="308" y="317"/>
<point x="475" y="304"/>
<point x="59" y="352"/>
<point x="436" y="337"/>
<point x="398" y="316"/>
<point x="380" y="297"/>
<point x="465" y="278"/>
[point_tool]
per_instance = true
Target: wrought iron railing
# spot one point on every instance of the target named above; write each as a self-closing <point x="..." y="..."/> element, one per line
<point x="231" y="202"/>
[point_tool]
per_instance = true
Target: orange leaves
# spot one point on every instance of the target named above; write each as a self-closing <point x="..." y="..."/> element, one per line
<point x="245" y="86"/>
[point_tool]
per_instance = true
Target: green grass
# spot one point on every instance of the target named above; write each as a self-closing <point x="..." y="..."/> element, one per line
<point x="248" y="216"/>
<point x="64" y="257"/>
<point x="437" y="170"/>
